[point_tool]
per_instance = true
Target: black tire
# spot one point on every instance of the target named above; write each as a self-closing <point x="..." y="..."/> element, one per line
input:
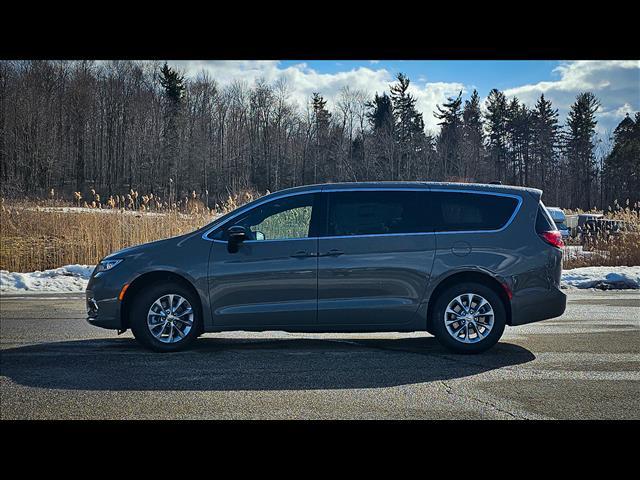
<point x="140" y="309"/>
<point x="446" y="339"/>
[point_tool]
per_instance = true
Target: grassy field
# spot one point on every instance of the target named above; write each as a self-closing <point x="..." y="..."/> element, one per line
<point x="37" y="240"/>
<point x="49" y="234"/>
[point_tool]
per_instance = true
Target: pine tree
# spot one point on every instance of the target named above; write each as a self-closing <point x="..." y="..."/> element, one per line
<point x="513" y="111"/>
<point x="581" y="123"/>
<point x="449" y="140"/>
<point x="382" y="121"/>
<point x="409" y="127"/>
<point x="519" y="135"/>
<point x="473" y="140"/>
<point x="545" y="141"/>
<point x="496" y="126"/>
<point x="173" y="84"/>
<point x="380" y="114"/>
<point x="622" y="165"/>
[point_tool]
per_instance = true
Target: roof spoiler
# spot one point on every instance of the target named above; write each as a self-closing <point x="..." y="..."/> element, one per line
<point x="535" y="193"/>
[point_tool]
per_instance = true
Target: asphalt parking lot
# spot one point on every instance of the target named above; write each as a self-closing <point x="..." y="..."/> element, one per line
<point x="584" y="365"/>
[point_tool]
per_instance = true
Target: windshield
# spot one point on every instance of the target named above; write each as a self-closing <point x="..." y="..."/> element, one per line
<point x="557" y="215"/>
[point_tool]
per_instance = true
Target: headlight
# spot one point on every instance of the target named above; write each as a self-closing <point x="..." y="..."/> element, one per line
<point x="106" y="265"/>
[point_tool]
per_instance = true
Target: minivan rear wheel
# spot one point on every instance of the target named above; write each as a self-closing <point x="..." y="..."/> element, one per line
<point x="165" y="317"/>
<point x="468" y="318"/>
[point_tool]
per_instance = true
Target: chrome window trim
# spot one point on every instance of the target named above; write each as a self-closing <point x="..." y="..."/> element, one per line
<point x="378" y="189"/>
<point x="269" y="241"/>
<point x="374" y="189"/>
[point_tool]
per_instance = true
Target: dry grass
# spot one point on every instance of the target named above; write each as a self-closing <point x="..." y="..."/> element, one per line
<point x="609" y="250"/>
<point x="42" y="235"/>
<point x="55" y="232"/>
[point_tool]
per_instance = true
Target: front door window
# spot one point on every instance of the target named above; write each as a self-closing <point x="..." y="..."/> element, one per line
<point x="281" y="219"/>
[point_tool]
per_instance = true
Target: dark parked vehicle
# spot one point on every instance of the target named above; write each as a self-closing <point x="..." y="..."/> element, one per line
<point x="594" y="228"/>
<point x="460" y="261"/>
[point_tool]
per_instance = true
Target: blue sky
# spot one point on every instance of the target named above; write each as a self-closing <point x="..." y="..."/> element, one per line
<point x="615" y="83"/>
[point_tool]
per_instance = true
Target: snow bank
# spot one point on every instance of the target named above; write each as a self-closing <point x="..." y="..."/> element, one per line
<point x="109" y="211"/>
<point x="70" y="278"/>
<point x="106" y="211"/>
<point x="74" y="278"/>
<point x="577" y="251"/>
<point x="604" y="278"/>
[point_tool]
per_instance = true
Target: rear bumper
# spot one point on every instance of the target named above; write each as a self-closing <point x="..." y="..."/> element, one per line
<point x="534" y="305"/>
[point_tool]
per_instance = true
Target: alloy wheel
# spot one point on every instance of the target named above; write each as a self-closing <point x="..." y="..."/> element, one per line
<point x="469" y="318"/>
<point x="170" y="318"/>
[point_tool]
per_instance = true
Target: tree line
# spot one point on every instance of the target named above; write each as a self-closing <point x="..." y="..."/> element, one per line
<point x="120" y="125"/>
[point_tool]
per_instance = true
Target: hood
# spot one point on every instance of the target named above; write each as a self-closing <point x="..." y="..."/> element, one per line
<point x="138" y="249"/>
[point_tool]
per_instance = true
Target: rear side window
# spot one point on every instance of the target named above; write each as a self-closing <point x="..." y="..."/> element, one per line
<point x="544" y="223"/>
<point x="377" y="212"/>
<point x="453" y="211"/>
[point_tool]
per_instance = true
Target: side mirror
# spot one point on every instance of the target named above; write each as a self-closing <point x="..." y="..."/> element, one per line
<point x="235" y="236"/>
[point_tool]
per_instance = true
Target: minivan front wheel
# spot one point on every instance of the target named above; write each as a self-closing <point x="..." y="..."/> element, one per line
<point x="468" y="318"/>
<point x="165" y="317"/>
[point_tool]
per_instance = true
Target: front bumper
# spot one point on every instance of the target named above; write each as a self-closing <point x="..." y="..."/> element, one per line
<point x="534" y="305"/>
<point x="103" y="305"/>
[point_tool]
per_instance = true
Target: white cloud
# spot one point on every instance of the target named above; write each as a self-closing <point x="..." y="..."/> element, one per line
<point x="618" y="113"/>
<point x="432" y="94"/>
<point x="616" y="83"/>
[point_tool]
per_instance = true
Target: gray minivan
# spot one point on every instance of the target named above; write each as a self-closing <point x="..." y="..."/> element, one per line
<point x="460" y="261"/>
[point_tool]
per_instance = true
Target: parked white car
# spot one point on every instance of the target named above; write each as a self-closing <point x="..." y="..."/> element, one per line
<point x="560" y="220"/>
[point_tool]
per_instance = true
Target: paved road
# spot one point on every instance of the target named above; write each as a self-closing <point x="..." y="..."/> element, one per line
<point x="583" y="365"/>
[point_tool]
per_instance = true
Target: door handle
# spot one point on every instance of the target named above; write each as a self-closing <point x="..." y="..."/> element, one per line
<point x="303" y="254"/>
<point x="334" y="252"/>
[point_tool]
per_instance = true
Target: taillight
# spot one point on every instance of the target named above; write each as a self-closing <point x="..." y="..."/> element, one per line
<point x="553" y="237"/>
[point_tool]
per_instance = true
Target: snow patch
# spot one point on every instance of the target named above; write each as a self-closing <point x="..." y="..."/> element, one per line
<point x="577" y="251"/>
<point x="105" y="211"/>
<point x="604" y="278"/>
<point x="70" y="278"/>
